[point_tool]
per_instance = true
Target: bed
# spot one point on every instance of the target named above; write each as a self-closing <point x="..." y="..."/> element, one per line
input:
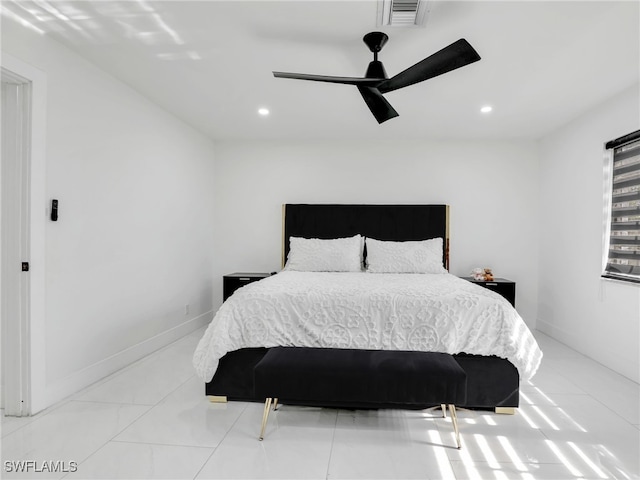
<point x="484" y="333"/>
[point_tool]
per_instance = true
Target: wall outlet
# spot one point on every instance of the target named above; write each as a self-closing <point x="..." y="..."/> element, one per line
<point x="186" y="309"/>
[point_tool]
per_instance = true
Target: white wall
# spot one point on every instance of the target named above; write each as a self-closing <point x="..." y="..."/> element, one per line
<point x="490" y="186"/>
<point x="133" y="244"/>
<point x="600" y="318"/>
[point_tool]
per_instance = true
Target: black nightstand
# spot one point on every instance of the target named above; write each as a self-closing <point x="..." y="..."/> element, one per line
<point x="233" y="281"/>
<point x="504" y="287"/>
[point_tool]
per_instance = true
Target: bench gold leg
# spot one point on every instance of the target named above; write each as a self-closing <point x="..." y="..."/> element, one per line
<point x="444" y="410"/>
<point x="275" y="404"/>
<point x="265" y="416"/>
<point x="454" y="420"/>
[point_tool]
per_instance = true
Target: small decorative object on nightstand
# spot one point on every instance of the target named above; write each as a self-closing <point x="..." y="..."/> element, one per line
<point x="233" y="281"/>
<point x="504" y="287"/>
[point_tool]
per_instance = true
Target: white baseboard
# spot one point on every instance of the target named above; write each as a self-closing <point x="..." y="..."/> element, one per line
<point x="603" y="354"/>
<point x="93" y="373"/>
<point x="551" y="330"/>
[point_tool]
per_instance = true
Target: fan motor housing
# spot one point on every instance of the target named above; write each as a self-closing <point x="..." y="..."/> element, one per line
<point x="376" y="70"/>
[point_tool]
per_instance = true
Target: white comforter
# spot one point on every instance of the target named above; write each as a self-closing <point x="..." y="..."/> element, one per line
<point x="436" y="313"/>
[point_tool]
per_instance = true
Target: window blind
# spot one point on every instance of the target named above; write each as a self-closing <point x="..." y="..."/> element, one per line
<point x="623" y="256"/>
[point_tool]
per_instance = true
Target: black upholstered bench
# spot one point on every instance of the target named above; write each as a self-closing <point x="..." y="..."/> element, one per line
<point x="333" y="376"/>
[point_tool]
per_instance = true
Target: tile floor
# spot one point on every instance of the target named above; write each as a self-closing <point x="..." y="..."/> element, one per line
<point x="577" y="419"/>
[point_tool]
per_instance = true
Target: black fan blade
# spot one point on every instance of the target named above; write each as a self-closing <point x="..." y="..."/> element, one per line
<point x="329" y="79"/>
<point x="378" y="105"/>
<point x="456" y="55"/>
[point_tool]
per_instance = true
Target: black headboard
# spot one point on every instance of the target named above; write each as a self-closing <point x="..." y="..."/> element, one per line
<point x="382" y="222"/>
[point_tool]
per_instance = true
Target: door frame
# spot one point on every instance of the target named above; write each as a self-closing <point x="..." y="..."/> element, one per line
<point x="30" y="351"/>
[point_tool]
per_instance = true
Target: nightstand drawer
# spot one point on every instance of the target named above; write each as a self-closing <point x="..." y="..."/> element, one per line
<point x="233" y="281"/>
<point x="502" y="286"/>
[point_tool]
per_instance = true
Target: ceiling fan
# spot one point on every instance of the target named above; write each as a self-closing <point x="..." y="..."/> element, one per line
<point x="376" y="82"/>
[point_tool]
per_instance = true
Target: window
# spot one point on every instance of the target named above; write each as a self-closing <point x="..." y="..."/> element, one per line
<point x="623" y="239"/>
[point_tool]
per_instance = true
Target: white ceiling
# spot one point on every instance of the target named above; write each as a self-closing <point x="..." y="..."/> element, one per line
<point x="210" y="62"/>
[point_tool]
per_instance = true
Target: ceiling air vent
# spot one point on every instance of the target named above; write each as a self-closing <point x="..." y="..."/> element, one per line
<point x="401" y="13"/>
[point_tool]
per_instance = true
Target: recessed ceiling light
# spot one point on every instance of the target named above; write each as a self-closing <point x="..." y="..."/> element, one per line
<point x="486" y="109"/>
<point x="263" y="111"/>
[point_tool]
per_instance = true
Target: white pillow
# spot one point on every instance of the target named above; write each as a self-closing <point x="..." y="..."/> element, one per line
<point x="423" y="256"/>
<point x="317" y="255"/>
